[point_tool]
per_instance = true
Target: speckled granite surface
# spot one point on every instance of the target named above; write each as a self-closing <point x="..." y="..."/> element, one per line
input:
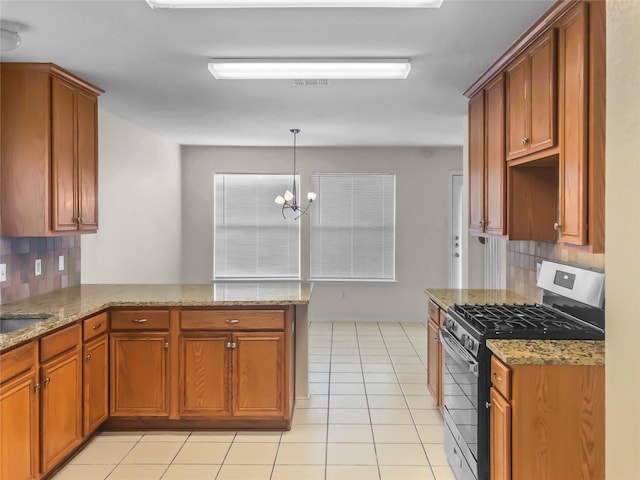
<point x="70" y="304"/>
<point x="446" y="297"/>
<point x="548" y="352"/>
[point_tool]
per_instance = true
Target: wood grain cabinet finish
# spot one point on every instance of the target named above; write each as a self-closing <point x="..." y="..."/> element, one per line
<point x="573" y="88"/>
<point x="205" y="371"/>
<point x="555" y="428"/>
<point x="49" y="151"/>
<point x="19" y="414"/>
<point x="96" y="383"/>
<point x="139" y="374"/>
<point x="476" y="163"/>
<point x="61" y="408"/>
<point x="531" y="99"/>
<point x="435" y="356"/>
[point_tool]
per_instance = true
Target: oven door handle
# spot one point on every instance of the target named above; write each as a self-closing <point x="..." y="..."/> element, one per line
<point x="456" y="350"/>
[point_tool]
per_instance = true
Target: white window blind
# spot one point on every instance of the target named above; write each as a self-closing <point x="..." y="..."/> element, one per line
<point x="251" y="238"/>
<point x="353" y="227"/>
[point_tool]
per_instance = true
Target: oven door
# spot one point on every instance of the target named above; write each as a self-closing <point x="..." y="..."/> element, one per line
<point x="461" y="406"/>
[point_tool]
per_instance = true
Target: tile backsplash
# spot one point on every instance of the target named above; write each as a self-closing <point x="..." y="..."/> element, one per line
<point x="523" y="256"/>
<point x="19" y="254"/>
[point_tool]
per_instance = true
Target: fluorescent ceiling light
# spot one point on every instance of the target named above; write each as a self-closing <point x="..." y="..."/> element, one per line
<point x="302" y="69"/>
<point x="292" y="3"/>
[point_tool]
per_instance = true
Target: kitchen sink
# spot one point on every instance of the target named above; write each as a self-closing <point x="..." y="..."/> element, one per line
<point x="10" y="322"/>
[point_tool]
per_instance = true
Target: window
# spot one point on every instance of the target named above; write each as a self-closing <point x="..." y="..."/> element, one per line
<point x="251" y="239"/>
<point x="353" y="227"/>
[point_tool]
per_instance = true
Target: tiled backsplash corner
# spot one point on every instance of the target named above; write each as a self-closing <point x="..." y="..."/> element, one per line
<point x="19" y="254"/>
<point x="523" y="256"/>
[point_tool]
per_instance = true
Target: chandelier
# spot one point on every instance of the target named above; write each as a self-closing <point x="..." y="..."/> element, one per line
<point x="290" y="200"/>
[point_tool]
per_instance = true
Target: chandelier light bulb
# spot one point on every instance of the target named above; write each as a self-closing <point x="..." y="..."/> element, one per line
<point x="288" y="196"/>
<point x="280" y="200"/>
<point x="311" y="196"/>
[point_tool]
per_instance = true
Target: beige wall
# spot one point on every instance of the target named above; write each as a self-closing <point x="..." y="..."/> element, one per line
<point x="622" y="261"/>
<point x="421" y="221"/>
<point x="138" y="240"/>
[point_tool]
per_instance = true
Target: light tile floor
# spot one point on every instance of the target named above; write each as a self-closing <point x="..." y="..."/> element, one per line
<point x="369" y="417"/>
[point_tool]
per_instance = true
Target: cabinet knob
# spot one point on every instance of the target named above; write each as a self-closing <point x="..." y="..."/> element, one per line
<point x="481" y="222"/>
<point x="228" y="345"/>
<point x="556" y="226"/>
<point x="166" y="344"/>
<point x="233" y="344"/>
<point x="524" y="141"/>
<point x="47" y="381"/>
<point x="80" y="219"/>
<point x="36" y="386"/>
<point x="88" y="357"/>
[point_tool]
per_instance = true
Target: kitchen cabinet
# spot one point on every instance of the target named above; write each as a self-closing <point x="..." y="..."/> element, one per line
<point x="96" y="383"/>
<point x="61" y="397"/>
<point x="538" y="412"/>
<point x="139" y="374"/>
<point x="236" y="364"/>
<point x="19" y="413"/>
<point x="573" y="88"/>
<point x="531" y="99"/>
<point x="49" y="130"/>
<point x="487" y="166"/>
<point x="435" y="357"/>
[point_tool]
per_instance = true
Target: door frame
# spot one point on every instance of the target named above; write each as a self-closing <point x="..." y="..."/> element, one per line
<point x="450" y="203"/>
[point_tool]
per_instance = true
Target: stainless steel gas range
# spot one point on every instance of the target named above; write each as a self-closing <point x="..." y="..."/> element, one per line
<point x="572" y="309"/>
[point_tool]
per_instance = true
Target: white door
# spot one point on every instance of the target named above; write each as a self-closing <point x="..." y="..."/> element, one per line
<point x="455" y="230"/>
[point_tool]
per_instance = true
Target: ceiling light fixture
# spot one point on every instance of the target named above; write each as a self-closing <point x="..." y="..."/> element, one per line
<point x="294" y="3"/>
<point x="9" y="38"/>
<point x="301" y="69"/>
<point x="289" y="200"/>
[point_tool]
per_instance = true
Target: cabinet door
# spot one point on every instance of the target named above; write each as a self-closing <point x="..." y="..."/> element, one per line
<point x="96" y="383"/>
<point x="500" y="434"/>
<point x="573" y="123"/>
<point x="258" y="382"/>
<point x="87" y="161"/>
<point x="542" y="115"/>
<point x="495" y="204"/>
<point x="517" y="83"/>
<point x="205" y="373"/>
<point x="19" y="428"/>
<point x="61" y="414"/>
<point x="63" y="145"/>
<point x="433" y="344"/>
<point x="139" y="384"/>
<point x="476" y="163"/>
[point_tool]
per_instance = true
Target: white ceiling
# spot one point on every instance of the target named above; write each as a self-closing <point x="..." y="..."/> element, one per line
<point x="153" y="66"/>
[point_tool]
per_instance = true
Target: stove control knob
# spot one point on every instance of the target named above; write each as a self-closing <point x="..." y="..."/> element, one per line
<point x="464" y="338"/>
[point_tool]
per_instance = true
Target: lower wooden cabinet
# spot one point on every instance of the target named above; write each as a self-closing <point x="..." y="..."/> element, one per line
<point x="547" y="421"/>
<point x="96" y="383"/>
<point x="258" y="377"/>
<point x="61" y="408"/>
<point x="435" y="356"/>
<point x="19" y="427"/>
<point x="139" y="375"/>
<point x="205" y="367"/>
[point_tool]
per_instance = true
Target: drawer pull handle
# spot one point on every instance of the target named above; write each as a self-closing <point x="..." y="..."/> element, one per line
<point x="231" y="321"/>
<point x="497" y="377"/>
<point x="97" y="326"/>
<point x="139" y="320"/>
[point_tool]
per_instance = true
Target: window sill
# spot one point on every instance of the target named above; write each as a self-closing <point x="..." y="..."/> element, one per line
<point x="355" y="281"/>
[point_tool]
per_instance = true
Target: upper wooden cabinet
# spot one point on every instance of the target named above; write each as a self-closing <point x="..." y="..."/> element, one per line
<point x="487" y="166"/>
<point x="531" y="99"/>
<point x="49" y="130"/>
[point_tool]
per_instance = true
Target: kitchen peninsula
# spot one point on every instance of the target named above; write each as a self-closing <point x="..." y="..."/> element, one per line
<point x="121" y="357"/>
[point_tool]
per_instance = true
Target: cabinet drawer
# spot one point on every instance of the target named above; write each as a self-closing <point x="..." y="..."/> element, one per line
<point x="17" y="361"/>
<point x="94" y="326"/>
<point x="434" y="311"/>
<point x="59" y="342"/>
<point x="232" y="320"/>
<point x="140" y="320"/>
<point x="501" y="377"/>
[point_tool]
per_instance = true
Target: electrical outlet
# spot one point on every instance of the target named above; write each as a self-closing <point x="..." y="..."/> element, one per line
<point x="38" y="267"/>
<point x="3" y="272"/>
<point x="60" y="263"/>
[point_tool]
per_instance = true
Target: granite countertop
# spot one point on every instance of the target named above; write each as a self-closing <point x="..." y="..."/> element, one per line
<point x="71" y="304"/>
<point x="548" y="352"/>
<point x="446" y="297"/>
